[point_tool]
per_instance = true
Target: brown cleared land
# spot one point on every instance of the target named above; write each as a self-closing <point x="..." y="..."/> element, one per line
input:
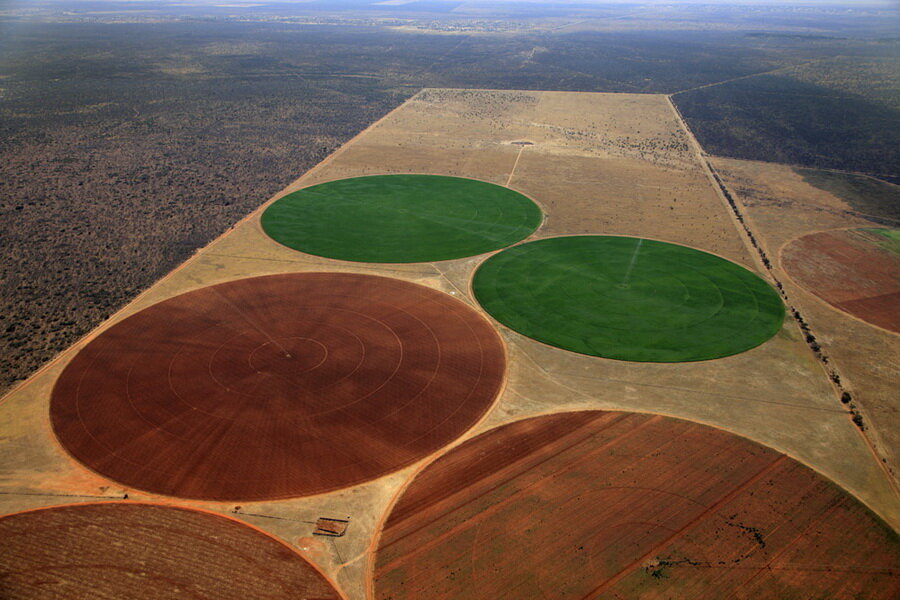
<point x="851" y="271"/>
<point x="277" y="386"/>
<point x="622" y="505"/>
<point x="123" y="550"/>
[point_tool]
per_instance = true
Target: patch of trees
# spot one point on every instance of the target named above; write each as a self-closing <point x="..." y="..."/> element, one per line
<point x="777" y="118"/>
<point x="109" y="182"/>
<point x="808" y="336"/>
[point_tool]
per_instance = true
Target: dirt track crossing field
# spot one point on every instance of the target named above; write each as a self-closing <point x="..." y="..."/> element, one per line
<point x="623" y="505"/>
<point x="124" y="550"/>
<point x="855" y="270"/>
<point x="278" y="386"/>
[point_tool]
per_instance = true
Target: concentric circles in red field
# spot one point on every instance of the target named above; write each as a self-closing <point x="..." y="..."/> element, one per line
<point x="278" y="386"/>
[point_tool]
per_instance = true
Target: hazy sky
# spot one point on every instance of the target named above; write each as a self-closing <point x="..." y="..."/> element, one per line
<point x="6" y="5"/>
<point x="848" y="3"/>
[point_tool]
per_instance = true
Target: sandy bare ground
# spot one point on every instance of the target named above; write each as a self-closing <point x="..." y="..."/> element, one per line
<point x="598" y="163"/>
<point x="782" y="208"/>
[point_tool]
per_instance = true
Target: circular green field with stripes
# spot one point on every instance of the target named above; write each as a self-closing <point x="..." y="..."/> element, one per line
<point x="628" y="298"/>
<point x="401" y="218"/>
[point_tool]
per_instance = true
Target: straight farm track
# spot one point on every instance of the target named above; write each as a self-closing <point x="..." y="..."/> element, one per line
<point x="622" y="505"/>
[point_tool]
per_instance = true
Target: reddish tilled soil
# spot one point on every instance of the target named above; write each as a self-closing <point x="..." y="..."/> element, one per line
<point x="278" y="386"/>
<point x="851" y="272"/>
<point x="116" y="551"/>
<point x="620" y="505"/>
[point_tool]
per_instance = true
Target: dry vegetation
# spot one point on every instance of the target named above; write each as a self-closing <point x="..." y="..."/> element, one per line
<point x="776" y="394"/>
<point x="107" y="185"/>
<point x="129" y="143"/>
<point x="862" y="361"/>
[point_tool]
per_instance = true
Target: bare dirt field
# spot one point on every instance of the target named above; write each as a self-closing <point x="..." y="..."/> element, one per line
<point x="278" y="386"/>
<point x="616" y="164"/>
<point x="783" y="210"/>
<point x="851" y="270"/>
<point x="130" y="550"/>
<point x="621" y="505"/>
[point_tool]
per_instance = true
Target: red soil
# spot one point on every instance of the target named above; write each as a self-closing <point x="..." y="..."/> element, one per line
<point x="851" y="272"/>
<point x="620" y="505"/>
<point x="115" y="551"/>
<point x="277" y="386"/>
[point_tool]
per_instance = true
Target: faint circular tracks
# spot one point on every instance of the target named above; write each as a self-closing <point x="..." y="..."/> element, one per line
<point x="129" y="550"/>
<point x="854" y="270"/>
<point x="277" y="386"/>
<point x="628" y="298"/>
<point x="622" y="505"/>
<point x="401" y="218"/>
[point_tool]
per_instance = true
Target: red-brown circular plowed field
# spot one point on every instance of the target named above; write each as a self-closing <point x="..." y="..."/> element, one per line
<point x="625" y="506"/>
<point x="853" y="270"/>
<point x="116" y="551"/>
<point x="278" y="386"/>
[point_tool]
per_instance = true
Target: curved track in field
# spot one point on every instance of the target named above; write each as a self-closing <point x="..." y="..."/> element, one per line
<point x="278" y="386"/>
<point x="854" y="270"/>
<point x="628" y="298"/>
<point x="401" y="218"/>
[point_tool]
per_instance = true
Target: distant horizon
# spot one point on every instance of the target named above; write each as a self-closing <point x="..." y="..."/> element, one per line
<point x="252" y="3"/>
<point x="457" y="7"/>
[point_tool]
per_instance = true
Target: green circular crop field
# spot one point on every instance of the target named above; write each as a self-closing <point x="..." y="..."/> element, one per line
<point x="401" y="218"/>
<point x="628" y="298"/>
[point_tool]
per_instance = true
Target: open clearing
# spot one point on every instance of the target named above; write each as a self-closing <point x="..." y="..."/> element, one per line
<point x="620" y="505"/>
<point x="277" y="386"/>
<point x="401" y="218"/>
<point x="628" y="298"/>
<point x="600" y="164"/>
<point x="130" y="550"/>
<point x="783" y="209"/>
<point x="856" y="270"/>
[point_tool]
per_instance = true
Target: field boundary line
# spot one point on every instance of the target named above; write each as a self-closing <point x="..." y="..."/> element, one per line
<point x="714" y="182"/>
<point x="824" y="360"/>
<point x="750" y="76"/>
<point x="754" y="243"/>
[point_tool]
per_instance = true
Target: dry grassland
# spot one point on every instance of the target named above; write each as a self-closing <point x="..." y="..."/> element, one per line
<point x="781" y="207"/>
<point x="598" y="163"/>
